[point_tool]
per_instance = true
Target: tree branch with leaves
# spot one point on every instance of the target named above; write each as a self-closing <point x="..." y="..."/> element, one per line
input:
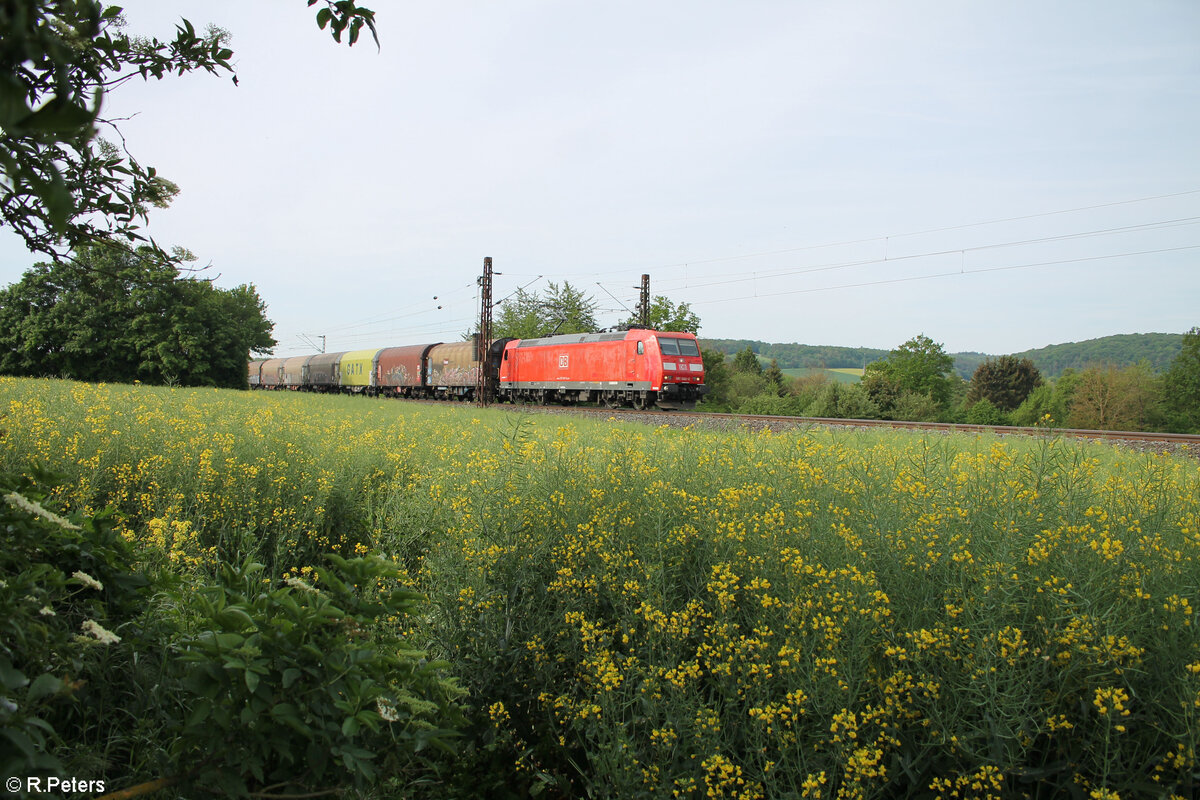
<point x="62" y="186"/>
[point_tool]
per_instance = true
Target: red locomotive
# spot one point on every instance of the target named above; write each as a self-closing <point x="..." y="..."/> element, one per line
<point x="637" y="367"/>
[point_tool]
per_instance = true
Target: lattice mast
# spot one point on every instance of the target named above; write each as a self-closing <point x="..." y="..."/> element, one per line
<point x="483" y="340"/>
<point x="644" y="302"/>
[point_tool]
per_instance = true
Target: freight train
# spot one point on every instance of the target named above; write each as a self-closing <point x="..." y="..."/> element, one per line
<point x="638" y="368"/>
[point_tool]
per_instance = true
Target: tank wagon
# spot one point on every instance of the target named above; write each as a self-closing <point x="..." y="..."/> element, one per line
<point x="638" y="368"/>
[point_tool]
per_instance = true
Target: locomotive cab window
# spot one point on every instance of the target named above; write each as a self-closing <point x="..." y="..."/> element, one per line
<point x="641" y="348"/>
<point x="679" y="347"/>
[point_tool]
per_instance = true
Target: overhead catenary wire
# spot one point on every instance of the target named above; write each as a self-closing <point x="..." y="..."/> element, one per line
<point x="685" y="265"/>
<point x="781" y="272"/>
<point x="954" y="273"/>
<point x="763" y="276"/>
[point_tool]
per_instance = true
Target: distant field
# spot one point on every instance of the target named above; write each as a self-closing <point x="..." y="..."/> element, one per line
<point x="845" y="375"/>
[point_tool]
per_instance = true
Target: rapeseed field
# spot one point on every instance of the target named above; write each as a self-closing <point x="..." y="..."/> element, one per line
<point x="658" y="612"/>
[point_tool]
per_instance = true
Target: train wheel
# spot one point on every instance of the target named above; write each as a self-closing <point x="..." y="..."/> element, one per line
<point x="640" y="401"/>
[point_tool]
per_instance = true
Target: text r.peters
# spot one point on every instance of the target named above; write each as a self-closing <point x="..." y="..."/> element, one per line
<point x="54" y="784"/>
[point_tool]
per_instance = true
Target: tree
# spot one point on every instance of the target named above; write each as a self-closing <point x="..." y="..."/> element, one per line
<point x="1181" y="386"/>
<point x="843" y="400"/>
<point x="528" y="315"/>
<point x="747" y="362"/>
<point x="1005" y="382"/>
<point x="984" y="412"/>
<point x="774" y="377"/>
<point x="668" y="316"/>
<point x="122" y="315"/>
<point x="1108" y="398"/>
<point x="716" y="378"/>
<point x="919" y="366"/>
<point x="519" y="317"/>
<point x="62" y="187"/>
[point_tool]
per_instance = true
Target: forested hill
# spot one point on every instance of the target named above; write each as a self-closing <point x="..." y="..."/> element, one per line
<point x="792" y="356"/>
<point x="1159" y="349"/>
<point x="1122" y="349"/>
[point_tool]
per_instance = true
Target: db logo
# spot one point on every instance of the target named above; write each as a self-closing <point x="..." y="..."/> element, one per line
<point x="562" y="360"/>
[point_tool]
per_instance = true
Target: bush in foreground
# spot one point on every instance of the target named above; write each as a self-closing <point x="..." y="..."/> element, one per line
<point x="240" y="685"/>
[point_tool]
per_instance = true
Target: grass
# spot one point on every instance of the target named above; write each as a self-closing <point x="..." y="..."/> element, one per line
<point x="659" y="612"/>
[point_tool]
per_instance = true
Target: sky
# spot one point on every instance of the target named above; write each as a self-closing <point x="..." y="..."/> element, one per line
<point x="997" y="176"/>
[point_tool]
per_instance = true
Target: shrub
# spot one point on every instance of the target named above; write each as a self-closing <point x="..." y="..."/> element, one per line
<point x="343" y="698"/>
<point x="844" y="401"/>
<point x="1044" y="403"/>
<point x="982" y="412"/>
<point x="916" y="407"/>
<point x="236" y="686"/>
<point x="70" y="603"/>
<point x="770" y="403"/>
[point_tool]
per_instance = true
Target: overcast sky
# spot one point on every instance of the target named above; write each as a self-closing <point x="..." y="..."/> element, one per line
<point x="998" y="176"/>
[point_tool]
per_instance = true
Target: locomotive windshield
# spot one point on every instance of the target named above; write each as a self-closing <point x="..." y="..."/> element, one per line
<point x="678" y="347"/>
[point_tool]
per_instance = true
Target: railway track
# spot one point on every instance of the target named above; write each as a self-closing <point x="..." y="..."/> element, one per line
<point x="1182" y="443"/>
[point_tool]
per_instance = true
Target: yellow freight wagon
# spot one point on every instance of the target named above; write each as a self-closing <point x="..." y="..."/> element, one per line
<point x="357" y="369"/>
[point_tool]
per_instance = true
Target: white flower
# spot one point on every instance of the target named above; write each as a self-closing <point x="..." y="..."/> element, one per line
<point x="25" y="504"/>
<point x="93" y="629"/>
<point x="46" y="611"/>
<point x="297" y="583"/>
<point x="387" y="711"/>
<point x="87" y="580"/>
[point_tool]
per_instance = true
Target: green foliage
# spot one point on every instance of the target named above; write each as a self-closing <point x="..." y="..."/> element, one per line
<point x="122" y="315"/>
<point x="774" y="377"/>
<point x="1181" y="386"/>
<point x="66" y="590"/>
<point x="747" y="388"/>
<point x="982" y="412"/>
<point x="717" y="379"/>
<point x="1005" y="382"/>
<point x="237" y="686"/>
<point x="1110" y="398"/>
<point x="797" y="356"/>
<point x="343" y="15"/>
<point x="668" y="316"/>
<point x="1039" y="408"/>
<point x="562" y="309"/>
<point x="774" y="404"/>
<point x="57" y="61"/>
<point x="323" y="665"/>
<point x="1122" y="350"/>
<point x="61" y="186"/>
<point x="917" y="407"/>
<point x="919" y="367"/>
<point x="747" y="363"/>
<point x="844" y="401"/>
